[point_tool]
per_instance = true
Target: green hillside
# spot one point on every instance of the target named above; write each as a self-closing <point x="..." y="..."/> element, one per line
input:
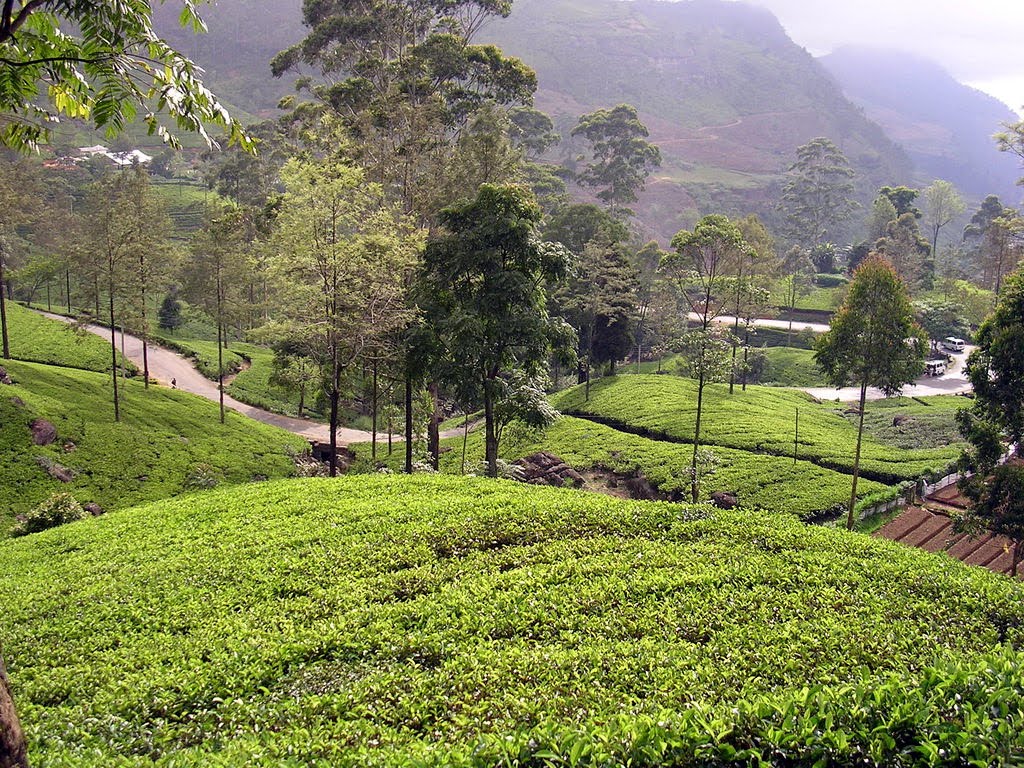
<point x="39" y="339"/>
<point x="603" y="454"/>
<point x="436" y="621"/>
<point x="762" y="419"/>
<point x="166" y="441"/>
<point x="726" y="95"/>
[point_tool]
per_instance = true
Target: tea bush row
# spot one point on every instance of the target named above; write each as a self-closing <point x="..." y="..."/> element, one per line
<point x="432" y="620"/>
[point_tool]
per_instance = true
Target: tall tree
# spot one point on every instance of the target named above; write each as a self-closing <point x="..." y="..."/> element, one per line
<point x="817" y="195"/>
<point x="646" y="261"/>
<point x="599" y="302"/>
<point x="867" y="343"/>
<point x="481" y="291"/>
<point x="404" y="77"/>
<point x="797" y="274"/>
<point x="907" y="251"/>
<point x="902" y="199"/>
<point x="991" y="239"/>
<point x="215" y="274"/>
<point x="996" y="417"/>
<point x="700" y="268"/>
<point x="749" y="290"/>
<point x="342" y="252"/>
<point x="942" y="204"/>
<point x="101" y="62"/>
<point x="882" y="212"/>
<point x="622" y="158"/>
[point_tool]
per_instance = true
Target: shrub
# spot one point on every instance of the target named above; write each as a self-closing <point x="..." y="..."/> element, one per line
<point x="202" y="477"/>
<point x="827" y="280"/>
<point x="60" y="508"/>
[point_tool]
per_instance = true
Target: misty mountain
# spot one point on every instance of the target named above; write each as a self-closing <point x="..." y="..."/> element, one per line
<point x="726" y="95"/>
<point x="944" y="126"/>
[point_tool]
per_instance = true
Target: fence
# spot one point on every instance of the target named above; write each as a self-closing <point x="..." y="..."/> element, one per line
<point x="921" y="489"/>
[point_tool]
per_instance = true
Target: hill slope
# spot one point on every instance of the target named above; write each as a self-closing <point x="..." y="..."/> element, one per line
<point x="726" y="94"/>
<point x="435" y="621"/>
<point x="165" y="438"/>
<point x="946" y="127"/>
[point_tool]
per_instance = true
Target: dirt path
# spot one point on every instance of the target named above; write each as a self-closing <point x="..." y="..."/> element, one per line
<point x="165" y="366"/>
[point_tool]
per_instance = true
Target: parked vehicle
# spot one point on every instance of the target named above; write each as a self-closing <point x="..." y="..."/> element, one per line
<point x="935" y="368"/>
<point x="953" y="344"/>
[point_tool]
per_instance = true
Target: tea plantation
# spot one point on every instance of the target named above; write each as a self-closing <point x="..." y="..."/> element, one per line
<point x="762" y="420"/>
<point x="760" y="481"/>
<point x="446" y="621"/>
<point x="166" y="441"/>
<point x="38" y="339"/>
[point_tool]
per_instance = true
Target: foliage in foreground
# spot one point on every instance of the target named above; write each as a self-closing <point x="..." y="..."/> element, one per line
<point x="390" y="620"/>
<point x="762" y="419"/>
<point x="163" y="436"/>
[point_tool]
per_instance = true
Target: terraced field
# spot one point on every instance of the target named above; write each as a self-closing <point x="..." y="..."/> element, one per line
<point x="760" y="420"/>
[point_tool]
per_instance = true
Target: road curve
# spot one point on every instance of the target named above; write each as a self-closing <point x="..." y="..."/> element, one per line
<point x="953" y="382"/>
<point x="165" y="365"/>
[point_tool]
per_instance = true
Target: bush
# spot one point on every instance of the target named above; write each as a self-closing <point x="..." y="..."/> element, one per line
<point x="60" y="508"/>
<point x="828" y="280"/>
<point x="202" y="477"/>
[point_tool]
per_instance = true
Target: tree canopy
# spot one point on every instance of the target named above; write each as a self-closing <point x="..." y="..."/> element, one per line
<point x="100" y="62"/>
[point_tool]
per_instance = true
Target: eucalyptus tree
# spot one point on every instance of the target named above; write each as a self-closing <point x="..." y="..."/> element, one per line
<point x="405" y="78"/>
<point x="341" y="251"/>
<point x="817" y="194"/>
<point x="942" y="204"/>
<point x="700" y="268"/>
<point x="621" y="156"/>
<point x="873" y="341"/>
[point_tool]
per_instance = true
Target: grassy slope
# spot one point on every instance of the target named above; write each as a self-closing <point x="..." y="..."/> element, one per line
<point x="371" y="619"/>
<point x="39" y="339"/>
<point x="163" y="435"/>
<point x="759" y="481"/>
<point x="761" y="419"/>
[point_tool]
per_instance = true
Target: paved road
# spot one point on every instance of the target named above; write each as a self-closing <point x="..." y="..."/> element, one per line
<point x="766" y="323"/>
<point x="953" y="382"/>
<point x="165" y="365"/>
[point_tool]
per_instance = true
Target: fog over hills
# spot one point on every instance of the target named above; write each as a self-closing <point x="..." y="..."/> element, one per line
<point x="725" y="92"/>
<point x="946" y="127"/>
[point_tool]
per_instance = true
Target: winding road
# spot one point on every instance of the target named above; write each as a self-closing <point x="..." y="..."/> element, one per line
<point x="165" y="365"/>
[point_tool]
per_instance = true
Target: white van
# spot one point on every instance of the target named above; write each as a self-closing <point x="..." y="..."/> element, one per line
<point x="953" y="344"/>
<point x="935" y="368"/>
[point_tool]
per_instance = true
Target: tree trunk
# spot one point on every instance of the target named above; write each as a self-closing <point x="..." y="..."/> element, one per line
<point x="694" y="480"/>
<point x="856" y="460"/>
<point x="433" y="429"/>
<point x="373" y="433"/>
<point x="145" y="325"/>
<point x="113" y="349"/>
<point x="492" y="438"/>
<point x="746" y="353"/>
<point x="408" y="423"/>
<point x="465" y="440"/>
<point x="335" y="396"/>
<point x="220" y="367"/>
<point x="13" y="752"/>
<point x="67" y="289"/>
<point x="3" y="312"/>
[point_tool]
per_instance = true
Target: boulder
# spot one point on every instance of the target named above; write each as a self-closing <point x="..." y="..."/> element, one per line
<point x="724" y="500"/>
<point x="43" y="432"/>
<point x="55" y="470"/>
<point x="545" y="468"/>
<point x="93" y="509"/>
<point x="5" y="378"/>
<point x="70" y="447"/>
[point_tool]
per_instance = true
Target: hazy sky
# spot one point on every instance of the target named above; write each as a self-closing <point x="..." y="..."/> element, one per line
<point x="978" y="41"/>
